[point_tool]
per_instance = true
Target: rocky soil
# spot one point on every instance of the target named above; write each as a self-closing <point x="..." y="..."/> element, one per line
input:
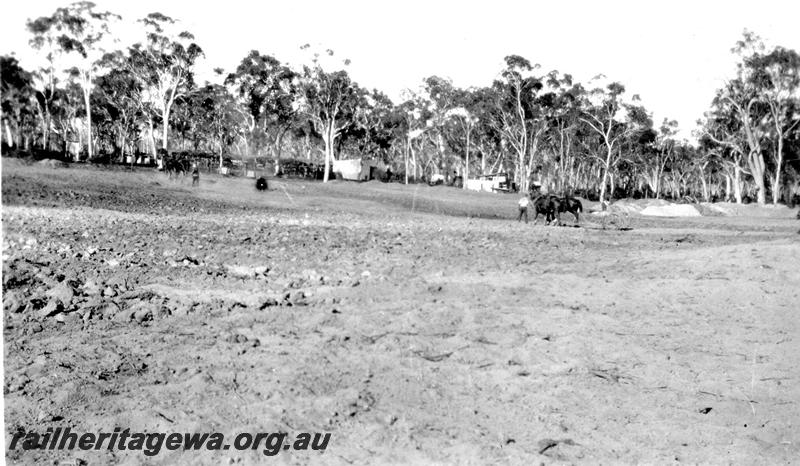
<point x="415" y="324"/>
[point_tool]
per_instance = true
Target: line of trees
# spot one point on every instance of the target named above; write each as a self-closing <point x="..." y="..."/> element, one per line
<point x="93" y="97"/>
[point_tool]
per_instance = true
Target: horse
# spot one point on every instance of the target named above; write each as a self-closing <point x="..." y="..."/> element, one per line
<point x="552" y="207"/>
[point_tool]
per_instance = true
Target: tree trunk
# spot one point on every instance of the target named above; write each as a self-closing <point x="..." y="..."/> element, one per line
<point x="440" y="144"/>
<point x="756" y="165"/>
<point x="88" y="122"/>
<point x="408" y="148"/>
<point x="46" y="128"/>
<point x="658" y="183"/>
<point x="277" y="148"/>
<point x="122" y="148"/>
<point x="413" y="161"/>
<point x="612" y="185"/>
<point x="605" y="177"/>
<point x="165" y="127"/>
<point x="152" y="135"/>
<point x="705" y="186"/>
<point x="465" y="177"/>
<point x="776" y="186"/>
<point x="727" y="187"/>
<point x="737" y="183"/>
<point x="326" y="137"/>
<point x="9" y="136"/>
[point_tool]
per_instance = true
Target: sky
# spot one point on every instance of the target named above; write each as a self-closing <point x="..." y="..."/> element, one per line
<point x="673" y="54"/>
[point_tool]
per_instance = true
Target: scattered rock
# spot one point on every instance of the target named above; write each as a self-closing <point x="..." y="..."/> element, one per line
<point x="91" y="288"/>
<point x="269" y="302"/>
<point x="142" y="313"/>
<point x="296" y="298"/>
<point x="13" y="302"/>
<point x="63" y="293"/>
<point x="236" y="338"/>
<point x="18" y="383"/>
<point x="163" y="311"/>
<point x="186" y="308"/>
<point x="246" y="271"/>
<point x="53" y="307"/>
<point x="124" y="316"/>
<point x="140" y="294"/>
<point x="107" y="310"/>
<point x="546" y="444"/>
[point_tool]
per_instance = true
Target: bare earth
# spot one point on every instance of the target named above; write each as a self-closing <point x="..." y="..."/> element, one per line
<point x="415" y="324"/>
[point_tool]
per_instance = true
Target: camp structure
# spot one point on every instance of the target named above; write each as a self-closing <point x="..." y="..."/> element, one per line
<point x="496" y="182"/>
<point x="358" y="169"/>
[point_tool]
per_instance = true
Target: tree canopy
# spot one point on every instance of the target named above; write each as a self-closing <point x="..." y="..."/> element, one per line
<point x="542" y="128"/>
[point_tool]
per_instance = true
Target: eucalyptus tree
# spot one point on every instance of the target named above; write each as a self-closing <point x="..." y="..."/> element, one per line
<point x="486" y="138"/>
<point x="267" y="88"/>
<point x="721" y="134"/>
<point x="163" y="64"/>
<point x="221" y="118"/>
<point x="120" y="97"/>
<point x="328" y="100"/>
<point x="654" y="161"/>
<point x="67" y="102"/>
<point x="372" y="131"/>
<point x="18" y="102"/>
<point x="77" y="30"/>
<point x="44" y="79"/>
<point x="463" y="121"/>
<point x="466" y="122"/>
<point x="519" y="116"/>
<point x="603" y="117"/>
<point x="738" y="115"/>
<point x="411" y="130"/>
<point x="562" y="102"/>
<point x="776" y="78"/>
<point x="437" y="99"/>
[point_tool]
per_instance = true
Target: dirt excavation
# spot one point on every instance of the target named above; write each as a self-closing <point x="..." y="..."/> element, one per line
<point x="415" y="324"/>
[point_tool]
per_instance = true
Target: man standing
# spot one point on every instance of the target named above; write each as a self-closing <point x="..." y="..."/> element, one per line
<point x="523" y="208"/>
<point x="195" y="176"/>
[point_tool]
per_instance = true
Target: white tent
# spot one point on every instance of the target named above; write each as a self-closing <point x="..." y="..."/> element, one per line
<point x="357" y="169"/>
<point x="488" y="183"/>
<point x="348" y="169"/>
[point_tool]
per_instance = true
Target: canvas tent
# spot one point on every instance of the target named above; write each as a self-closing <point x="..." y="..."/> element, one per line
<point x="358" y="169"/>
<point x="489" y="183"/>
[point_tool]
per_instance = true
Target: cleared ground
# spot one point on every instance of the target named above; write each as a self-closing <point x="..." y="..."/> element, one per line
<point x="416" y="324"/>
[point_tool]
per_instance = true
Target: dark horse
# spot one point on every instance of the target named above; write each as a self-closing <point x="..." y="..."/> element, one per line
<point x="174" y="167"/>
<point x="553" y="206"/>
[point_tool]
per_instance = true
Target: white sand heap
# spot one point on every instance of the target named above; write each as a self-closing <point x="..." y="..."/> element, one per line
<point x="671" y="210"/>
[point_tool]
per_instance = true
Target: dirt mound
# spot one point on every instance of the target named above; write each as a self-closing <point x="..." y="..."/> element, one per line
<point x="730" y="209"/>
<point x="634" y="206"/>
<point x="710" y="209"/>
<point x="671" y="210"/>
<point x="51" y="163"/>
